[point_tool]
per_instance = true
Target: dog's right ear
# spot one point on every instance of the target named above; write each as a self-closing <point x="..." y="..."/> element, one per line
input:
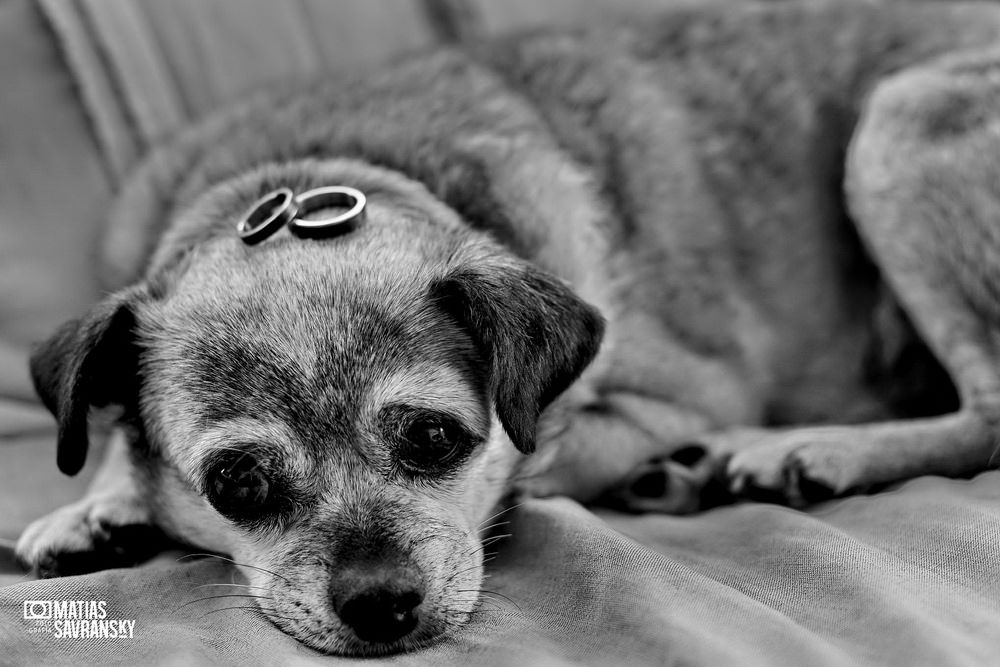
<point x="90" y="361"/>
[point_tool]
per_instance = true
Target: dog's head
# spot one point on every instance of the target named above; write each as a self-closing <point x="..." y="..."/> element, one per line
<point x="342" y="416"/>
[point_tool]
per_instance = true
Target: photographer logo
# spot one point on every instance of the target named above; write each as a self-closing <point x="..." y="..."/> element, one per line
<point x="76" y="619"/>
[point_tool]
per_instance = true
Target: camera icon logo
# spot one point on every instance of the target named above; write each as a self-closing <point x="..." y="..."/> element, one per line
<point x="38" y="610"/>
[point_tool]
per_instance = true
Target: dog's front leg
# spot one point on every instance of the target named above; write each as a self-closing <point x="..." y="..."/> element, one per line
<point x="111" y="526"/>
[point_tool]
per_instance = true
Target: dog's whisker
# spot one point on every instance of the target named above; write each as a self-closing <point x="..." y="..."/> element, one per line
<point x="216" y="597"/>
<point x="482" y="544"/>
<point x="496" y="538"/>
<point x="498" y="514"/>
<point x="484" y="611"/>
<point x="272" y="614"/>
<point x="994" y="461"/>
<point x="271" y="618"/>
<point x="454" y="575"/>
<point x="263" y="588"/>
<point x="494" y="525"/>
<point x="478" y="597"/>
<point x="230" y="560"/>
<point x="481" y="602"/>
<point x="491" y="603"/>
<point x="254" y="609"/>
<point x="501" y="595"/>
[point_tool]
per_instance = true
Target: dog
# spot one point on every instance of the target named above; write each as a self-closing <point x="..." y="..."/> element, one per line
<point x="735" y="250"/>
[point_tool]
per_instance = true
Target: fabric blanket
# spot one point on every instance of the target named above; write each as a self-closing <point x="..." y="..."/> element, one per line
<point x="910" y="576"/>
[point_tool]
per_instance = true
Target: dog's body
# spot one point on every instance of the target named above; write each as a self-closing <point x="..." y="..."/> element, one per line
<point x="681" y="175"/>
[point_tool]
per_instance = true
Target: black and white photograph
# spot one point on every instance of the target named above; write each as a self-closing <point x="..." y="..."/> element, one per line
<point x="500" y="332"/>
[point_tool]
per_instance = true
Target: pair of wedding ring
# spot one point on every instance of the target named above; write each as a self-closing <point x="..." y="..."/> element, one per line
<point x="282" y="207"/>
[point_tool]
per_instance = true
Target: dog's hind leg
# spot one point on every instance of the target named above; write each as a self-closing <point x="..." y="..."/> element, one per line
<point x="923" y="182"/>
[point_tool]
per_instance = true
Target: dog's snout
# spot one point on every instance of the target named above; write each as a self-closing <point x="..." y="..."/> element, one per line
<point x="381" y="614"/>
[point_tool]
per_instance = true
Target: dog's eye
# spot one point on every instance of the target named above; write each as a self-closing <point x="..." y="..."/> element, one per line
<point x="238" y="486"/>
<point x="431" y="445"/>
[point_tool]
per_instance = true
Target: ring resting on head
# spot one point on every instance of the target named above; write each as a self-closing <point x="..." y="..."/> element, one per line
<point x="282" y="207"/>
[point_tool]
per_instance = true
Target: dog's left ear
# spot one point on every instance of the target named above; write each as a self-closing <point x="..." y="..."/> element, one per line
<point x="91" y="361"/>
<point x="535" y="334"/>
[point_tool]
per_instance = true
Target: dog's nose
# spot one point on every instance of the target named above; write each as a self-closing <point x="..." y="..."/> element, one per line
<point x="381" y="614"/>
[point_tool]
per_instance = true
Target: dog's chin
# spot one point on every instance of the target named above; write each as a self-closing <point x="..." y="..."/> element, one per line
<point x="337" y="640"/>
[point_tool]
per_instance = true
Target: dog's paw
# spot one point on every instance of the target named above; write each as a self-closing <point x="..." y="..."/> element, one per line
<point x="680" y="483"/>
<point x="797" y="468"/>
<point x="93" y="534"/>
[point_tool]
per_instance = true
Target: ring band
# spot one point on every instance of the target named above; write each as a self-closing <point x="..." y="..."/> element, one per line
<point x="267" y="215"/>
<point x="314" y="200"/>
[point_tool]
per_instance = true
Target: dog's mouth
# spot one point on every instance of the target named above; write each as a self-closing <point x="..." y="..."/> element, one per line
<point x="336" y="641"/>
<point x="374" y="626"/>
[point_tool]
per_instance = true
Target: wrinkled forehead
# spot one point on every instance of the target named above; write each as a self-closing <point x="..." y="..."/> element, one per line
<point x="315" y="351"/>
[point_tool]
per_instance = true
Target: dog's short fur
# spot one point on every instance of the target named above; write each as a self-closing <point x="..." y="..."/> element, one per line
<point x="784" y="214"/>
